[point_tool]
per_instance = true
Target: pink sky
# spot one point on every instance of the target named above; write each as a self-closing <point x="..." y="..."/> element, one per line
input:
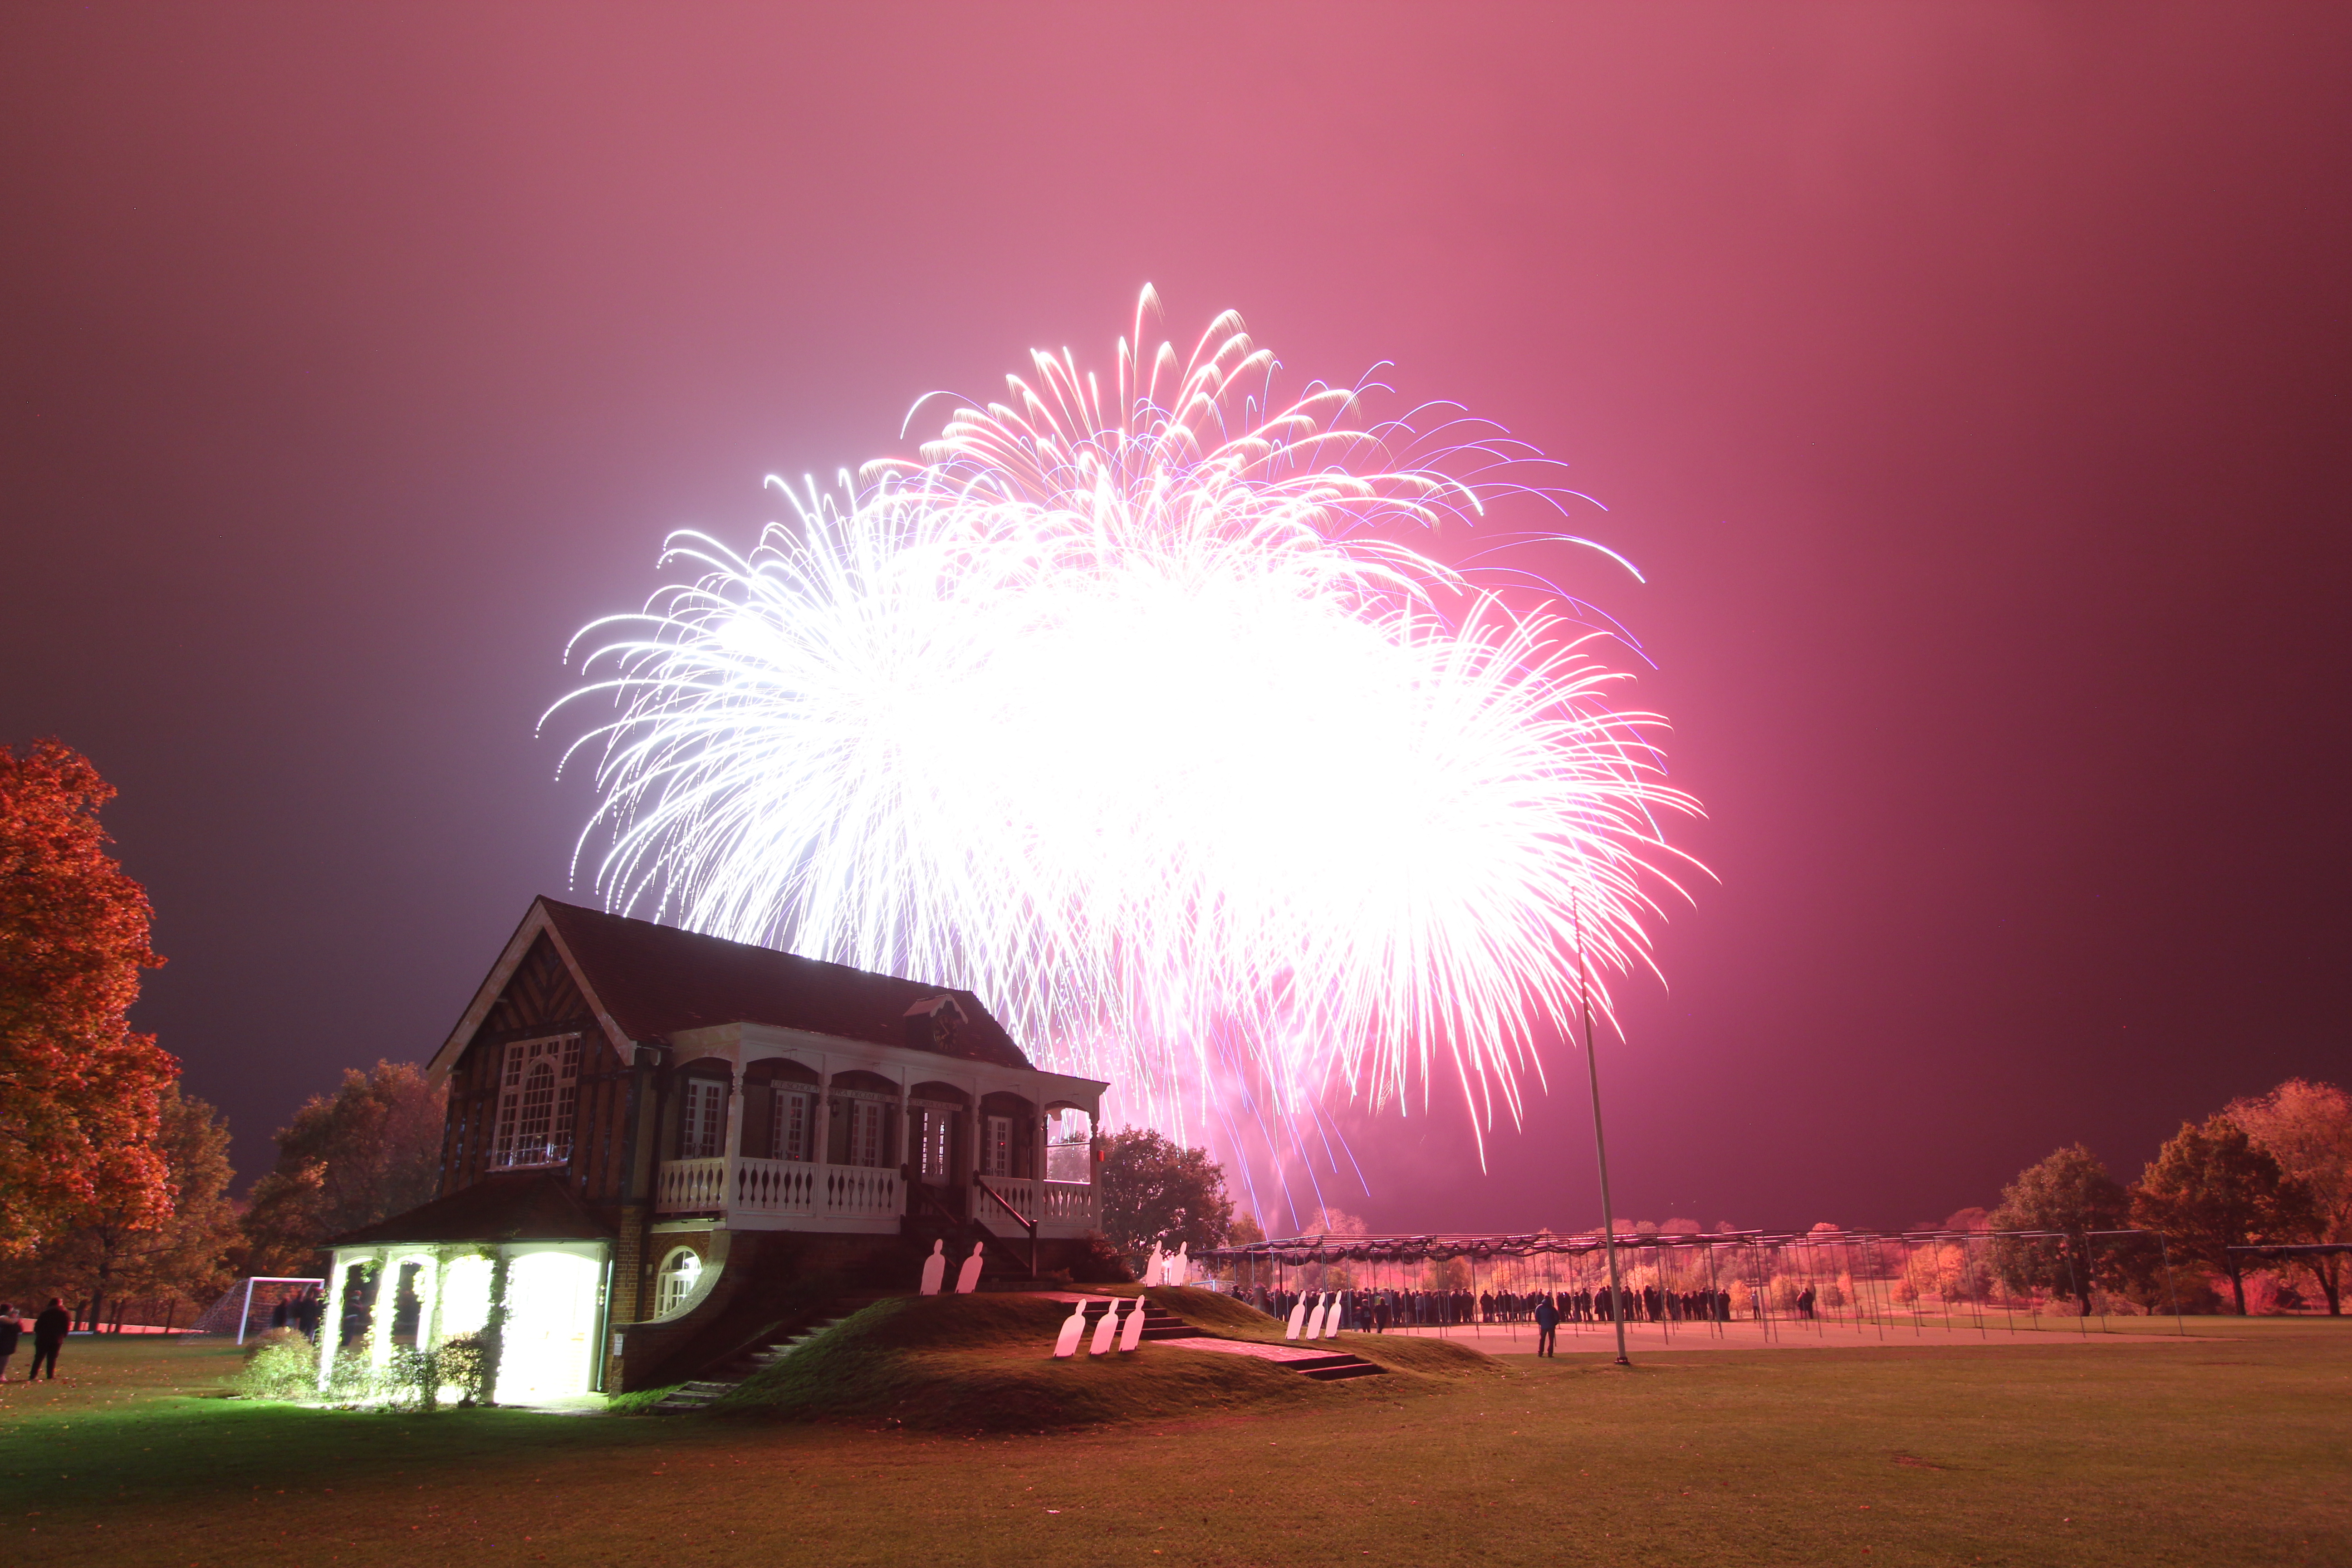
<point x="1967" y="382"/>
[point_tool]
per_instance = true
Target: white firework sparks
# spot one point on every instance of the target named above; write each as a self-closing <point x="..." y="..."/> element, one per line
<point x="1130" y="720"/>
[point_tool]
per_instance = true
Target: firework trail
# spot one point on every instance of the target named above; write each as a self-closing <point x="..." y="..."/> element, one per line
<point x="1135" y="718"/>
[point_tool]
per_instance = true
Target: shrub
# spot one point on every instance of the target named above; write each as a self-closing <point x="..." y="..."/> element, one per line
<point x="279" y="1365"/>
<point x="417" y="1380"/>
<point x="1096" y="1262"/>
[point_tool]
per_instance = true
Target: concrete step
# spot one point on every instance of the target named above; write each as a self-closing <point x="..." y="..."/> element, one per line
<point x="1334" y="1368"/>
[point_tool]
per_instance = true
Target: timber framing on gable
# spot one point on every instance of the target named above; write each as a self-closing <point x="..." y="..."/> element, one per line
<point x="534" y="991"/>
<point x="536" y="929"/>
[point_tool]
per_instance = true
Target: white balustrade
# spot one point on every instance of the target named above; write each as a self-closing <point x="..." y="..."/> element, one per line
<point x="1018" y="1191"/>
<point x="790" y="1188"/>
<point x="775" y="1186"/>
<point x="690" y="1187"/>
<point x="858" y="1192"/>
<point x="1070" y="1203"/>
<point x="786" y="1187"/>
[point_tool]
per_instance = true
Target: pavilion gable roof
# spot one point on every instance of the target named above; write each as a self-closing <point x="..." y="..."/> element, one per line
<point x="645" y="981"/>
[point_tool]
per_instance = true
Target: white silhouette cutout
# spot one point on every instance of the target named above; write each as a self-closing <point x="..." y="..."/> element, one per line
<point x="1072" y="1327"/>
<point x="1180" y="1271"/>
<point x="1106" y="1331"/>
<point x="1298" y="1316"/>
<point x="1155" y="1269"/>
<point x="967" y="1277"/>
<point x="1332" y="1318"/>
<point x="935" y="1269"/>
<point x="1315" y="1317"/>
<point x="1132" y="1335"/>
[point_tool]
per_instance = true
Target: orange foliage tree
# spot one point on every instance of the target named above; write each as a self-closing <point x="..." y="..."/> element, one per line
<point x="79" y="1112"/>
<point x="369" y="1151"/>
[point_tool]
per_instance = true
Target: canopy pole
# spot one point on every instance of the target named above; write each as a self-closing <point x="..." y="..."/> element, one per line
<point x="1600" y="1143"/>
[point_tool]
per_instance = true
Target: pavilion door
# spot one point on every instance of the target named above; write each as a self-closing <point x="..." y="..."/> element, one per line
<point x="934" y="1161"/>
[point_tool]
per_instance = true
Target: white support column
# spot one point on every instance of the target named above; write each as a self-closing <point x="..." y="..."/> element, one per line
<point x="387" y="1303"/>
<point x="428" y="1306"/>
<point x="733" y="1148"/>
<point x="331" y="1322"/>
<point x="821" y="1132"/>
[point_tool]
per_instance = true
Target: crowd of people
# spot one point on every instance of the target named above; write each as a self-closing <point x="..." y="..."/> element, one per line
<point x="1376" y="1312"/>
<point x="301" y="1314"/>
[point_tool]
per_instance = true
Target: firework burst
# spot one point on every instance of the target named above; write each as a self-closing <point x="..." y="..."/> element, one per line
<point x="1139" y="718"/>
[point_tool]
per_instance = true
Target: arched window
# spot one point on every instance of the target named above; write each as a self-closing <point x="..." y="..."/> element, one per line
<point x="536" y="1114"/>
<point x="675" y="1282"/>
<point x="538" y="1093"/>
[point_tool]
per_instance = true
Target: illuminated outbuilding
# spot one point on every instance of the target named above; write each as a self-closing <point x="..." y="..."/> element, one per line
<point x="652" y="1135"/>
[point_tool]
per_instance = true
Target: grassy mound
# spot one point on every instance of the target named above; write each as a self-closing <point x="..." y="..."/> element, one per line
<point x="983" y="1362"/>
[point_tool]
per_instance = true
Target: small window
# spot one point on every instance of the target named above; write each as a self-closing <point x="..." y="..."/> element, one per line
<point x="676" y="1280"/>
<point x="702" y="1120"/>
<point x="997" y="1151"/>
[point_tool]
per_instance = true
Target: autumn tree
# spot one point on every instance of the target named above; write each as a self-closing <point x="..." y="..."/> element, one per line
<point x="114" y="1251"/>
<point x="2212" y="1188"/>
<point x="2307" y="1129"/>
<point x="1155" y="1190"/>
<point x="369" y="1151"/>
<point x="2069" y="1193"/>
<point x="80" y="1109"/>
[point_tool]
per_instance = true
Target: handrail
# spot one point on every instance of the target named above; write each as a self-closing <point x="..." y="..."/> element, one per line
<point x="982" y="1182"/>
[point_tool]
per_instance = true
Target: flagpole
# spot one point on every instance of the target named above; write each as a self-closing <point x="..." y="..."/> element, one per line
<point x="1599" y="1145"/>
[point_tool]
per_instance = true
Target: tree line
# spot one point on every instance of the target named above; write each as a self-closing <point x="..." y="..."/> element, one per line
<point x="2271" y="1171"/>
<point x="114" y="1182"/>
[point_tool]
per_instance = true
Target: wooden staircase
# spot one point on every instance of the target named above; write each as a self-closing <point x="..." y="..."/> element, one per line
<point x="1158" y="1322"/>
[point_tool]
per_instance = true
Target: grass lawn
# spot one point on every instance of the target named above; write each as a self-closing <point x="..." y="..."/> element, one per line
<point x="2235" y="1448"/>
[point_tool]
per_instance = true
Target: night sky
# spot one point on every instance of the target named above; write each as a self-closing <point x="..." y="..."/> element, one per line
<point x="1969" y="383"/>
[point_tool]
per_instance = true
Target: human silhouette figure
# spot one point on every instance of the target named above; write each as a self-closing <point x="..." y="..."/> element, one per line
<point x="1180" y="1271"/>
<point x="1132" y="1335"/>
<point x="1155" y="1272"/>
<point x="1066" y="1346"/>
<point x="935" y="1269"/>
<point x="1332" y="1318"/>
<point x="1106" y="1331"/>
<point x="1298" y="1316"/>
<point x="1315" y="1317"/>
<point x="967" y="1277"/>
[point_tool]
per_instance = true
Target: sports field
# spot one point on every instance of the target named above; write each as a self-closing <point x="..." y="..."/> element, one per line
<point x="2233" y="1445"/>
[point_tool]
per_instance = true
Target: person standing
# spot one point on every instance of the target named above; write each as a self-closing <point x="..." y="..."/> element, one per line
<point x="48" y="1338"/>
<point x="10" y="1330"/>
<point x="1547" y="1326"/>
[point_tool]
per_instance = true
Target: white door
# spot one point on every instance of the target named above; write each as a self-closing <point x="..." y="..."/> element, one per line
<point x="551" y="1325"/>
